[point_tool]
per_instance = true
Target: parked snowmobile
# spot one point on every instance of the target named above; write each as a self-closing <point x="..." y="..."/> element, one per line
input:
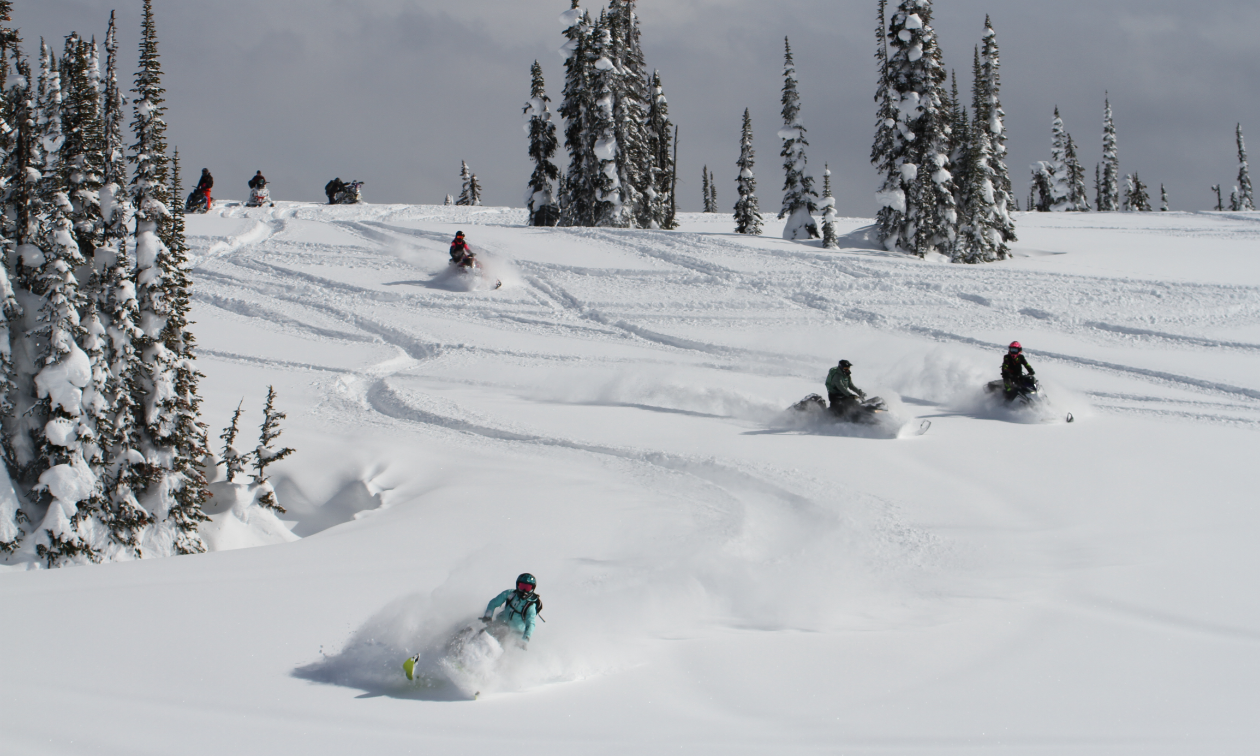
<point x="349" y="194"/>
<point x="198" y="202"/>
<point x="259" y="196"/>
<point x="865" y="411"/>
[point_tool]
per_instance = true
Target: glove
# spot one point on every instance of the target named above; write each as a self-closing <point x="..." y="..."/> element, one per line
<point x="861" y="395"/>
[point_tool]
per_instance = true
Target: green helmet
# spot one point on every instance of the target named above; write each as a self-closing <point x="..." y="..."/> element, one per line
<point x="527" y="579"/>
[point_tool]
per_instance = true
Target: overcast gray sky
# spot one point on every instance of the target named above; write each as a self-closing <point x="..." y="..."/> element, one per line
<point x="396" y="92"/>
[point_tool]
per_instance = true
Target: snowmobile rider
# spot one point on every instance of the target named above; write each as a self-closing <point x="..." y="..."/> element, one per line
<point x="1013" y="366"/>
<point x="840" y="389"/>
<point x="521" y="606"/>
<point x="460" y="253"/>
<point x="257" y="182"/>
<point x="205" y="184"/>
<point x="332" y="188"/>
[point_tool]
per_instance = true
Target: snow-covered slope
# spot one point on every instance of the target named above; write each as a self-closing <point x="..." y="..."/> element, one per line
<point x="717" y="579"/>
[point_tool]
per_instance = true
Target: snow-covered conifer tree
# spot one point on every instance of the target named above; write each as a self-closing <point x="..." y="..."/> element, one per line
<point x="579" y="197"/>
<point x="232" y="460"/>
<point x="172" y="440"/>
<point x="1110" y="195"/>
<point x="1078" y="197"/>
<point x="798" y="185"/>
<point x="989" y="113"/>
<point x="747" y="213"/>
<point x="540" y="198"/>
<point x="634" y="156"/>
<point x="828" y="207"/>
<point x="1041" y="191"/>
<point x="1219" y="204"/>
<point x="266" y="454"/>
<point x="449" y="200"/>
<point x="611" y="208"/>
<point x="704" y="189"/>
<point x="1246" y="195"/>
<point x="917" y="192"/>
<point x="980" y="230"/>
<point x="959" y="135"/>
<point x="474" y="191"/>
<point x="1136" y="197"/>
<point x="660" y="142"/>
<point x="713" y="200"/>
<point x="83" y="152"/>
<point x="465" y="193"/>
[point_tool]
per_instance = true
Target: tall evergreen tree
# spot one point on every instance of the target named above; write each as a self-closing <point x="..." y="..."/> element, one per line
<point x="540" y="198"/>
<point x="172" y="439"/>
<point x="713" y="200"/>
<point x="884" y="149"/>
<point x="83" y="152"/>
<point x="1110" y="195"/>
<point x="917" y="192"/>
<point x="634" y="155"/>
<point x="1246" y="195"/>
<point x="1077" y="197"/>
<point x="828" y="207"/>
<point x="660" y="142"/>
<point x="11" y="515"/>
<point x="578" y="106"/>
<point x="465" y="192"/>
<point x="611" y="196"/>
<point x="704" y="189"/>
<point x="989" y="114"/>
<point x="959" y="136"/>
<point x="1163" y="199"/>
<point x="747" y="213"/>
<point x="1219" y="204"/>
<point x="980" y="236"/>
<point x="798" y="185"/>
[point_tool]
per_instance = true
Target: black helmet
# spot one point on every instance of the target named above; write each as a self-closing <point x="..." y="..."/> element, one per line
<point x="846" y="364"/>
<point x="459" y="234"/>
<point x="526" y="582"/>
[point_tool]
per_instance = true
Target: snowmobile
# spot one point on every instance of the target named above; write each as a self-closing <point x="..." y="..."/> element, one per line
<point x="470" y="266"/>
<point x="198" y="202"/>
<point x="259" y="197"/>
<point x="1027" y="392"/>
<point x="866" y="411"/>
<point x="350" y="194"/>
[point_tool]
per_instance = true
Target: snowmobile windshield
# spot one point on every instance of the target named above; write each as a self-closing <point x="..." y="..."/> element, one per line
<point x="524" y="587"/>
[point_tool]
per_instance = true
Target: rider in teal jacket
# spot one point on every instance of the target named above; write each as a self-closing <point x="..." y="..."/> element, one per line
<point x="520" y="607"/>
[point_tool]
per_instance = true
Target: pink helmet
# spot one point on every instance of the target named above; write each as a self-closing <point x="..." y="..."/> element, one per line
<point x="1015" y="347"/>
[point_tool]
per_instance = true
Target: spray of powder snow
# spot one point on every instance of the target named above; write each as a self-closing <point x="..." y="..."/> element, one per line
<point x="955" y="378"/>
<point x="746" y="551"/>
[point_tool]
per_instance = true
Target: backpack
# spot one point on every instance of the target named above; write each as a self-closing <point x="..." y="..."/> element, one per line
<point x="530" y="598"/>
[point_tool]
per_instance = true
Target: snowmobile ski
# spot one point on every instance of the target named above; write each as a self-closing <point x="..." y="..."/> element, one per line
<point x="1070" y="419"/>
<point x="409" y="666"/>
<point x="923" y="427"/>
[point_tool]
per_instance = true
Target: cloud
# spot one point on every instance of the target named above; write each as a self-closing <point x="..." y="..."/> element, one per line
<point x="397" y="92"/>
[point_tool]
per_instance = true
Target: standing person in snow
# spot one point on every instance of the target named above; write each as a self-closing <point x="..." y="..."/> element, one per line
<point x="257" y="182"/>
<point x="841" y="392"/>
<point x="205" y="184"/>
<point x="1013" y="366"/>
<point x="520" y="607"/>
<point x="332" y="188"/>
<point x="461" y="255"/>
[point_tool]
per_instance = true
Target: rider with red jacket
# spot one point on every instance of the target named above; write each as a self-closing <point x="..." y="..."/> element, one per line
<point x="460" y="253"/>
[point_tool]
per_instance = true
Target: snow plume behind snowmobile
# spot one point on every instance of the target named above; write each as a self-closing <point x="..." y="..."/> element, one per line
<point x="870" y="418"/>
